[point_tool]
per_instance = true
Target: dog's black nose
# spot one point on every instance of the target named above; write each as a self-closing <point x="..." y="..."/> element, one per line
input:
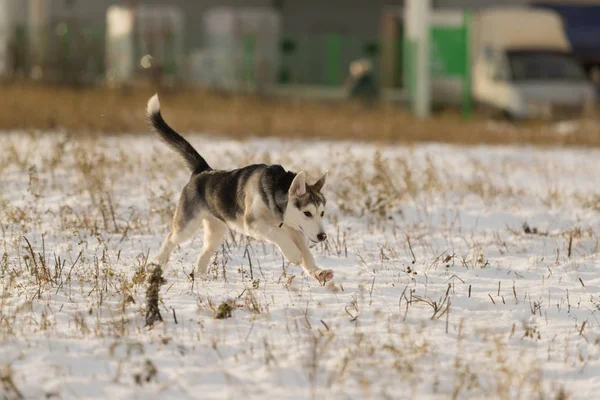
<point x="322" y="237"/>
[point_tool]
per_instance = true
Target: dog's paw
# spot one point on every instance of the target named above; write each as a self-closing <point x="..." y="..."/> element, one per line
<point x="323" y="275"/>
<point x="160" y="259"/>
<point x="201" y="274"/>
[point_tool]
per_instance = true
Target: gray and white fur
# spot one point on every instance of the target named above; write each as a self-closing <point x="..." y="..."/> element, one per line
<point x="262" y="201"/>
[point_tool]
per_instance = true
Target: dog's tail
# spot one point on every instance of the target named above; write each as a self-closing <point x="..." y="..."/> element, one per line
<point x="174" y="140"/>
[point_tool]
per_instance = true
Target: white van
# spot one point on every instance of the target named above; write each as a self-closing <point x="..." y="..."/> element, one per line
<point x="523" y="67"/>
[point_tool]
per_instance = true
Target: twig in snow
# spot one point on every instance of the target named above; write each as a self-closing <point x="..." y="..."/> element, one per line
<point x="152" y="310"/>
<point x="411" y="250"/>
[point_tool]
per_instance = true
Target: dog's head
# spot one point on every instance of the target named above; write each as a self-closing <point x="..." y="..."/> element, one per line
<point x="306" y="207"/>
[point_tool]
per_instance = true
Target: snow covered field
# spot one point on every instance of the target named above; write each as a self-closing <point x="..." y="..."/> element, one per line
<point x="459" y="273"/>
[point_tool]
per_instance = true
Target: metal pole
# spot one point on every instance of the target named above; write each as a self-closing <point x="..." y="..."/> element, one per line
<point x="467" y="79"/>
<point x="38" y="31"/>
<point x="417" y="24"/>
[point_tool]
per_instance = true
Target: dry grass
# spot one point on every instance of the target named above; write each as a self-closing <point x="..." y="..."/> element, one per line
<point x="100" y="109"/>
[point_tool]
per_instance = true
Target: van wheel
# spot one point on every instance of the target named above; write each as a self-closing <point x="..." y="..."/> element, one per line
<point x="507" y="116"/>
<point x="493" y="113"/>
<point x="499" y="115"/>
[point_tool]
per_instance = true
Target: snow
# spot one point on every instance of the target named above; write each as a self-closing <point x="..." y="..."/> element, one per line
<point x="412" y="230"/>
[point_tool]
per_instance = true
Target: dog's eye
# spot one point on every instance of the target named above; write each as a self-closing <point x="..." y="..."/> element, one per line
<point x="308" y="214"/>
<point x="322" y="213"/>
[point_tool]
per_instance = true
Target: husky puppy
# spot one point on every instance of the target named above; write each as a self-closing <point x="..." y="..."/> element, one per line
<point x="262" y="201"/>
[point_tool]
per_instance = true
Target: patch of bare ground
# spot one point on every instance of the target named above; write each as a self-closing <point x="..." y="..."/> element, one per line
<point x="102" y="110"/>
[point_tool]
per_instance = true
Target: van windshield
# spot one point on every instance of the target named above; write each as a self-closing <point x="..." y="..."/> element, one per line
<point x="544" y="65"/>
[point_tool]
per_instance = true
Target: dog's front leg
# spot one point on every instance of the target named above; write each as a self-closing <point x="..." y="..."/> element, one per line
<point x="308" y="261"/>
<point x="279" y="237"/>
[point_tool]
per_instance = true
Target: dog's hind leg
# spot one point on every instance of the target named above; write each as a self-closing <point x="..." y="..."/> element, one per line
<point x="162" y="257"/>
<point x="185" y="224"/>
<point x="214" y="231"/>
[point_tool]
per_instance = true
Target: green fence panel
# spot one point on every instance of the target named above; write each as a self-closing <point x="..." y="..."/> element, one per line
<point x="324" y="59"/>
<point x="333" y="45"/>
<point x="448" y="51"/>
<point x="249" y="52"/>
<point x="449" y="48"/>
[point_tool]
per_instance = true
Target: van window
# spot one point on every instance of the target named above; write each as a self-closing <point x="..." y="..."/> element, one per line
<point x="544" y="65"/>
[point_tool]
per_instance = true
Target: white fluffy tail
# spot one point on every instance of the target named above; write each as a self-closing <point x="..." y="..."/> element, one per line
<point x="153" y="105"/>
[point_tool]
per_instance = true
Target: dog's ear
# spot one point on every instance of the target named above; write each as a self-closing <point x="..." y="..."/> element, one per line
<point x="319" y="185"/>
<point x="298" y="186"/>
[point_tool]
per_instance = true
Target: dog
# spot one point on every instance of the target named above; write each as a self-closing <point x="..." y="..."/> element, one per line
<point x="265" y="202"/>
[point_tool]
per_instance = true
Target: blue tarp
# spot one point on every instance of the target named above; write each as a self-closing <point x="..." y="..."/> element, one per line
<point x="582" y="26"/>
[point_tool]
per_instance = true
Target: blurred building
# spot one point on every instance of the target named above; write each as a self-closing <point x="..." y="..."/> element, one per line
<point x="317" y="40"/>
